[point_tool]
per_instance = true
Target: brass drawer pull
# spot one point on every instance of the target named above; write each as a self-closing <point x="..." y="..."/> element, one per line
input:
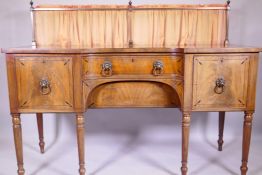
<point x="158" y="68"/>
<point x="220" y="86"/>
<point x="107" y="69"/>
<point x="45" y="88"/>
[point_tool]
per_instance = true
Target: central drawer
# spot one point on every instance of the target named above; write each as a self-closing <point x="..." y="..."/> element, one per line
<point x="113" y="66"/>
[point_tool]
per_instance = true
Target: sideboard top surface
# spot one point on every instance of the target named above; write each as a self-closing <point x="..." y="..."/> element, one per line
<point x="171" y="49"/>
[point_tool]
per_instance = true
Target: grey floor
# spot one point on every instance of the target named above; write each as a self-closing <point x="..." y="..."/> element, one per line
<point x="134" y="154"/>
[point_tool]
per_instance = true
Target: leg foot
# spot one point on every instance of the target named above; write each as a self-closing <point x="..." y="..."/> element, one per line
<point x="80" y="121"/>
<point x="221" y="130"/>
<point x="39" y="117"/>
<point x="247" y="129"/>
<point x="185" y="141"/>
<point x="82" y="170"/>
<point x="20" y="171"/>
<point x="184" y="168"/>
<point x="17" y="129"/>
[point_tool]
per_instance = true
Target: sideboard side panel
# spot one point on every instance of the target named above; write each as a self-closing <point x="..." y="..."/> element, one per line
<point x="78" y="84"/>
<point x="252" y="82"/>
<point x="12" y="84"/>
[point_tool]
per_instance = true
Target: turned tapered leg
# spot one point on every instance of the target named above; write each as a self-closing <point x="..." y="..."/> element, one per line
<point x="80" y="121"/>
<point x="39" y="117"/>
<point x="185" y="141"/>
<point x="18" y="143"/>
<point x="221" y="130"/>
<point x="247" y="128"/>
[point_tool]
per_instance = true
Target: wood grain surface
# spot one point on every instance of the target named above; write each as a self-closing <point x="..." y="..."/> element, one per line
<point x="132" y="65"/>
<point x="234" y="69"/>
<point x="57" y="70"/>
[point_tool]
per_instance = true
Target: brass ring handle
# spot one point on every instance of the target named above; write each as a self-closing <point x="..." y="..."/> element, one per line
<point x="220" y="86"/>
<point x="45" y="87"/>
<point x="158" y="68"/>
<point x="107" y="69"/>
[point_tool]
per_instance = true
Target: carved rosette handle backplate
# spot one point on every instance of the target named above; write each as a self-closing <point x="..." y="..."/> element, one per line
<point x="158" y="68"/>
<point x="107" y="69"/>
<point x="220" y="85"/>
<point x="45" y="87"/>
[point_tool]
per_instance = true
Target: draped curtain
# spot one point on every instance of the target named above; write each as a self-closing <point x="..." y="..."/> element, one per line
<point x="81" y="28"/>
<point x="114" y="27"/>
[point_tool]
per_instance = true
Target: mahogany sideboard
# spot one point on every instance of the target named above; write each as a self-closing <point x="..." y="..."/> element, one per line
<point x="119" y="56"/>
<point x="47" y="80"/>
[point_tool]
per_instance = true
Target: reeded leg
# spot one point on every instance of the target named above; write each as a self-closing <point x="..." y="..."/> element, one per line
<point x="221" y="130"/>
<point x="247" y="128"/>
<point x="39" y="117"/>
<point x="18" y="143"/>
<point x="80" y="121"/>
<point x="185" y="141"/>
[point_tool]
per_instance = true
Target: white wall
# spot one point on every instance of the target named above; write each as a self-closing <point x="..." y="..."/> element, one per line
<point x="15" y="30"/>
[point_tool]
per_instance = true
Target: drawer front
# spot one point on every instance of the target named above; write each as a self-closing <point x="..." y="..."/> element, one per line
<point x="44" y="82"/>
<point x="220" y="81"/>
<point x="109" y="66"/>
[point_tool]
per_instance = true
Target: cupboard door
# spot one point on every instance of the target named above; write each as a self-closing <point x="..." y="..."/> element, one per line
<point x="220" y="81"/>
<point x="44" y="83"/>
